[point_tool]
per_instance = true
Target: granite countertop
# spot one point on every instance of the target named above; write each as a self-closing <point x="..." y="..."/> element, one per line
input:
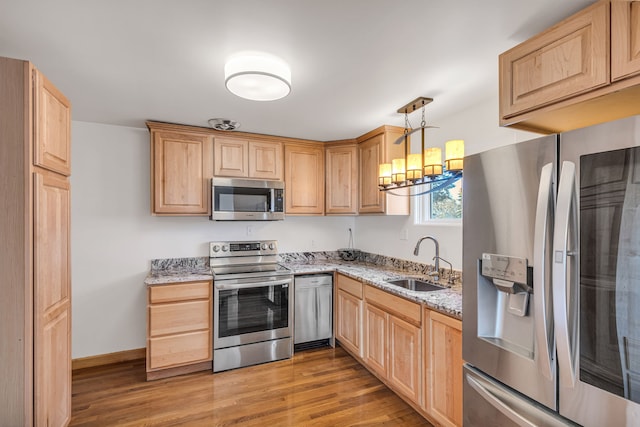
<point x="447" y="301"/>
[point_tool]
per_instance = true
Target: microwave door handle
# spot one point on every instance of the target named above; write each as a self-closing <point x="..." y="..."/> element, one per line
<point x="565" y="275"/>
<point x="258" y="284"/>
<point x="541" y="277"/>
<point x="272" y="200"/>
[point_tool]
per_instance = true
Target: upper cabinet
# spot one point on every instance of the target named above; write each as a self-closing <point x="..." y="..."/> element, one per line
<point x="582" y="71"/>
<point x="52" y="133"/>
<point x="341" y="166"/>
<point x="181" y="170"/>
<point x="374" y="148"/>
<point x="568" y="59"/>
<point x="625" y="39"/>
<point x="304" y="179"/>
<point x="247" y="158"/>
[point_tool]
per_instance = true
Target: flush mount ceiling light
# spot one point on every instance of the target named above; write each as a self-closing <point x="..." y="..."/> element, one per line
<point x="257" y="76"/>
<point x="224" y="124"/>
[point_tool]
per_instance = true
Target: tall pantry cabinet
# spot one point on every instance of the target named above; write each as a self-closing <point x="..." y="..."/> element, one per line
<point x="35" y="302"/>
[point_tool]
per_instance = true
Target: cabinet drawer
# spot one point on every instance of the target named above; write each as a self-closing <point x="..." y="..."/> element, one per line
<point x="179" y="349"/>
<point x="179" y="292"/>
<point x="400" y="307"/>
<point x="179" y="317"/>
<point x="349" y="285"/>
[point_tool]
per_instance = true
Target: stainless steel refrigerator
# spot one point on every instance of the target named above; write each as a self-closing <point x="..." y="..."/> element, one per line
<point x="551" y="267"/>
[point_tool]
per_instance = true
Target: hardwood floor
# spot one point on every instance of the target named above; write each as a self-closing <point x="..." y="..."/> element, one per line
<point x="325" y="387"/>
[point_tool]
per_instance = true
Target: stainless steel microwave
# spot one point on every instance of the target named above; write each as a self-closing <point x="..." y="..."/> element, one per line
<point x="235" y="199"/>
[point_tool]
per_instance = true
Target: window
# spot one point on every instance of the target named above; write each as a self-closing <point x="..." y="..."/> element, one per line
<point x="442" y="206"/>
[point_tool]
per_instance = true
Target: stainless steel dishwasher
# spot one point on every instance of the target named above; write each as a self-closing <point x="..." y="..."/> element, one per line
<point x="313" y="316"/>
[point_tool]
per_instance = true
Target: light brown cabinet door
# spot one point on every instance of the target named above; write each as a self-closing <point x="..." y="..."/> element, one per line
<point x="405" y="358"/>
<point x="568" y="59"/>
<point x="443" y="363"/>
<point x="52" y="130"/>
<point x="349" y="322"/>
<point x="265" y="160"/>
<point x="625" y="39"/>
<point x="231" y="157"/>
<point x="52" y="299"/>
<point x="181" y="173"/>
<point x="342" y="180"/>
<point x="376" y="341"/>
<point x="304" y="180"/>
<point x="370" y="155"/>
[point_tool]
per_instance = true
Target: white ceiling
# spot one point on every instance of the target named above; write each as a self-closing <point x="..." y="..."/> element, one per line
<point x="353" y="62"/>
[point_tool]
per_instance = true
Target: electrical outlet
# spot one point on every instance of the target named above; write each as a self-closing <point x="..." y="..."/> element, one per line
<point x="313" y="243"/>
<point x="404" y="234"/>
<point x="249" y="230"/>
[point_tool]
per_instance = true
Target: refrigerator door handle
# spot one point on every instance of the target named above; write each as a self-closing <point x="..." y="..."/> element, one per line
<point x="519" y="410"/>
<point x="541" y="277"/>
<point x="487" y="391"/>
<point x="565" y="295"/>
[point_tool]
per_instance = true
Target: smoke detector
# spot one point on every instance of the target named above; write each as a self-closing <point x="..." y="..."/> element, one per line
<point x="224" y="124"/>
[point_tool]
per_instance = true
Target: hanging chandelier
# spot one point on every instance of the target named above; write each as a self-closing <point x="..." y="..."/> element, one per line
<point x="425" y="167"/>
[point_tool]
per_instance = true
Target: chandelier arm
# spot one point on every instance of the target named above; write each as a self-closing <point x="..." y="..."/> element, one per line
<point x="441" y="185"/>
<point x="400" y="139"/>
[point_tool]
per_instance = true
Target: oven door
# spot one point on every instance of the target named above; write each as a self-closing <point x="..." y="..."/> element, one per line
<point x="252" y="310"/>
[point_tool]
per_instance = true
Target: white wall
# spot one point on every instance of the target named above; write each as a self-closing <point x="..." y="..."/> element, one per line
<point x="478" y="126"/>
<point x="114" y="236"/>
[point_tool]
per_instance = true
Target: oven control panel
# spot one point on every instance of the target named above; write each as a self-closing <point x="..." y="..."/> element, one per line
<point x="230" y="249"/>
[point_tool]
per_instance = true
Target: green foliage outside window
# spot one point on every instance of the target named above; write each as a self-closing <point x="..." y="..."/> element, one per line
<point x="447" y="203"/>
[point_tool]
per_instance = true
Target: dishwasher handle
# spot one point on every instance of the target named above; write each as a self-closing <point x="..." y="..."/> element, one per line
<point x="313" y="281"/>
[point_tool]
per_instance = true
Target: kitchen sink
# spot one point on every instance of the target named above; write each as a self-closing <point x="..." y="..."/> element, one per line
<point x="416" y="285"/>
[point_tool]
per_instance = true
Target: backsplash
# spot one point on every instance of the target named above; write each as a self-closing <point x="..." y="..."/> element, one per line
<point x="195" y="264"/>
<point x="201" y="264"/>
<point x="368" y="258"/>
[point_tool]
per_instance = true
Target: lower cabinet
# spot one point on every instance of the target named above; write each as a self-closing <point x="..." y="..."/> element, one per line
<point x="393" y="341"/>
<point x="349" y="314"/>
<point x="376" y="355"/>
<point x="179" y="328"/>
<point x="405" y="351"/>
<point x="415" y="351"/>
<point x="443" y="364"/>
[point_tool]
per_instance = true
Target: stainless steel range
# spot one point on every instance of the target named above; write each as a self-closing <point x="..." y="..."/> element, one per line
<point x="253" y="304"/>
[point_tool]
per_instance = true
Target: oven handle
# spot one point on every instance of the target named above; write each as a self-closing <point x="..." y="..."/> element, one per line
<point x="258" y="284"/>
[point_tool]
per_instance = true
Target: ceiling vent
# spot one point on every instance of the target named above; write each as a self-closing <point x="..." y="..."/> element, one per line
<point x="224" y="124"/>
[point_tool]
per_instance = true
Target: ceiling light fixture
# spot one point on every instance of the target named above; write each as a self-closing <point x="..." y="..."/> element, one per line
<point x="425" y="167"/>
<point x="257" y="76"/>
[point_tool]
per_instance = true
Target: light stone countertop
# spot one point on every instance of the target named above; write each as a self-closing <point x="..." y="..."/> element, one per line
<point x="447" y="301"/>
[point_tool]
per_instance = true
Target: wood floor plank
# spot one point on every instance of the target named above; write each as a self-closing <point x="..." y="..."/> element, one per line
<point x="324" y="387"/>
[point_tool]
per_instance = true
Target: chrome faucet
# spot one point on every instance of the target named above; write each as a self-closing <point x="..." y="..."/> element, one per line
<point x="435" y="274"/>
<point x="452" y="278"/>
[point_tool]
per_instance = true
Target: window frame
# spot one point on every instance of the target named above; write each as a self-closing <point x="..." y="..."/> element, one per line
<point x="422" y="209"/>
